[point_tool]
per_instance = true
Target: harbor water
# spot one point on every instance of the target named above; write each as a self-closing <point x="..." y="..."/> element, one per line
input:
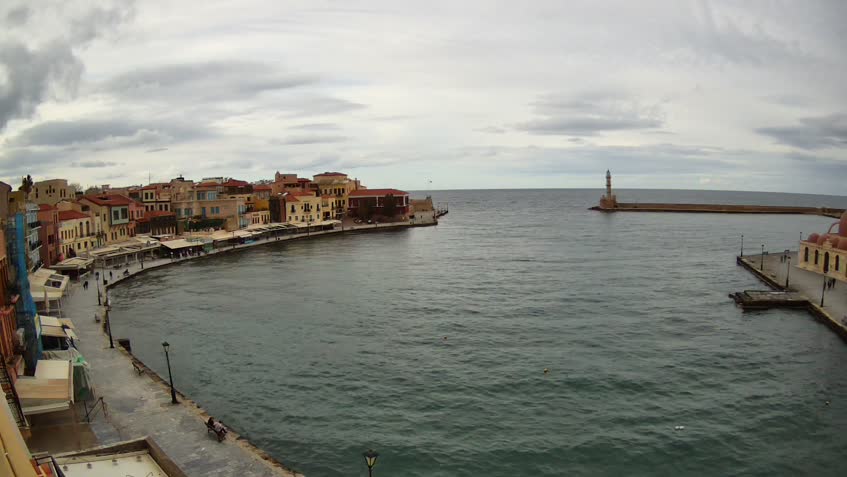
<point x="429" y="345"/>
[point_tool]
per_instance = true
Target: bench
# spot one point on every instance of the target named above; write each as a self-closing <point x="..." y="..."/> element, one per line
<point x="220" y="434"/>
<point x="137" y="367"/>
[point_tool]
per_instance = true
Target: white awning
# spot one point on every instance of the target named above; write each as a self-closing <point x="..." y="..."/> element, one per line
<point x="56" y="327"/>
<point x="181" y="243"/>
<point x="50" y="390"/>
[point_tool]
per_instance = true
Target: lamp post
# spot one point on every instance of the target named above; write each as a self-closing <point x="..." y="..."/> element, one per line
<point x="788" y="271"/>
<point x="762" y="266"/>
<point x="170" y="375"/>
<point x="742" y="245"/>
<point x="370" y="459"/>
<point x="823" y="290"/>
<point x="97" y="282"/>
<point x="109" y="323"/>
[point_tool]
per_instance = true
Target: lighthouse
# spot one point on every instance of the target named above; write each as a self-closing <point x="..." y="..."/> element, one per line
<point x="608" y="201"/>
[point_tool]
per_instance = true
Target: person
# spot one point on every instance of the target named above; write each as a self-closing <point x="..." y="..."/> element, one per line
<point x="126" y="272"/>
<point x="111" y="276"/>
<point x="211" y="422"/>
<point x="85" y="285"/>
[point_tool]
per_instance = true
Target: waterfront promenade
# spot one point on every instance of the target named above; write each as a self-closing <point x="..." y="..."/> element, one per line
<point x="141" y="405"/>
<point x="808" y="283"/>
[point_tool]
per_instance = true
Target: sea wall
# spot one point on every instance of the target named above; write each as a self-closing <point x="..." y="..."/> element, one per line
<point x="720" y="209"/>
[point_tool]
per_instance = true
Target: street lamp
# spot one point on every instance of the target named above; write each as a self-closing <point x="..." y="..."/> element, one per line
<point x="823" y="290"/>
<point x="788" y="271"/>
<point x="170" y="375"/>
<point x="370" y="459"/>
<point x="742" y="245"/>
<point x="97" y="282"/>
<point x="762" y="266"/>
<point x="109" y="323"/>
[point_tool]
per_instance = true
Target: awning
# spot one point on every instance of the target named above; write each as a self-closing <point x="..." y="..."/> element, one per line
<point x="50" y="390"/>
<point x="221" y="235"/>
<point x="56" y="327"/>
<point x="242" y="234"/>
<point x="75" y="263"/>
<point x="180" y="243"/>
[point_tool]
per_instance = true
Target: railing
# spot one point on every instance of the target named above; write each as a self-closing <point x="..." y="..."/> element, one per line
<point x="89" y="413"/>
<point x="35" y="245"/>
<point x="48" y="459"/>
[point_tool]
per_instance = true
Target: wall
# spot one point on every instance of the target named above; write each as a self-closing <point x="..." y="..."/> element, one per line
<point x="835" y="255"/>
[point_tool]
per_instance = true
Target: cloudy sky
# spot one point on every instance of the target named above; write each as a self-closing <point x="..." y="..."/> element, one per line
<point x="472" y="94"/>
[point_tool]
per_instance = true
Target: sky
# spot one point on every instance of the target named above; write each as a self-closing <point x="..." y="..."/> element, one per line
<point x="429" y="95"/>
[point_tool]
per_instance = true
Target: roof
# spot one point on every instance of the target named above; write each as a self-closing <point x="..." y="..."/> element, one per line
<point x="108" y="199"/>
<point x="262" y="187"/>
<point x="375" y="192"/>
<point x="157" y="213"/>
<point x="331" y="174"/>
<point x="45" y="207"/>
<point x="303" y="179"/>
<point x="71" y="215"/>
<point x="155" y="185"/>
<point x="235" y="183"/>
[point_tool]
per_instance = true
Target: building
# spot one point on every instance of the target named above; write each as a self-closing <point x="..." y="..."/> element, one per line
<point x="48" y="234"/>
<point x="300" y="207"/>
<point x="51" y="191"/>
<point x="33" y="236"/>
<point x="157" y="223"/>
<point x="258" y="217"/>
<point x="76" y="232"/>
<point x="826" y="253"/>
<point x="235" y="186"/>
<point x="289" y="182"/>
<point x="203" y="206"/>
<point x="113" y="213"/>
<point x="336" y="187"/>
<point x="387" y="204"/>
<point x="262" y="191"/>
<point x="156" y="197"/>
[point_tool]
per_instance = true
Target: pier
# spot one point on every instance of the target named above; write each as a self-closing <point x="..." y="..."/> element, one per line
<point x="718" y="209"/>
<point x="793" y="287"/>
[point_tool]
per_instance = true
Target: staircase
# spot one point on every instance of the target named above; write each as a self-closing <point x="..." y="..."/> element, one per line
<point x="11" y="396"/>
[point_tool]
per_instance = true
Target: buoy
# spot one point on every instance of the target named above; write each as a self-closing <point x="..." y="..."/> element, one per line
<point x="546" y="370"/>
<point x="679" y="428"/>
<point x="827" y="403"/>
<point x="445" y="338"/>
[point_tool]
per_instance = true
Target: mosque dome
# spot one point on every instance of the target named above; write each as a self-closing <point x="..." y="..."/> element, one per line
<point x="813" y="238"/>
<point x="842" y="225"/>
<point x="842" y="244"/>
<point x="823" y="238"/>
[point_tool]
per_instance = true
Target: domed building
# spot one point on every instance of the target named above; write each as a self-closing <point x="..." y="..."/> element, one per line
<point x="826" y="253"/>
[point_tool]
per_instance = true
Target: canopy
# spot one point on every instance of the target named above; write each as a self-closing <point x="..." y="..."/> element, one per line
<point x="180" y="243"/>
<point x="56" y="327"/>
<point x="50" y="390"/>
<point x="75" y="263"/>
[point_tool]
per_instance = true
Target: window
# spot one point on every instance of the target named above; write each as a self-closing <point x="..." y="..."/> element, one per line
<point x="203" y="211"/>
<point x="124" y="213"/>
<point x="806" y="254"/>
<point x="292" y="208"/>
<point x="837" y="262"/>
<point x="816" y="257"/>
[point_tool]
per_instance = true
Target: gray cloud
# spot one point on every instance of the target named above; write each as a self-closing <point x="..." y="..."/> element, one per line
<point x="33" y="75"/>
<point x="52" y="70"/>
<point x="317" y="105"/>
<point x="94" y="164"/>
<point x="316" y="126"/>
<point x="811" y="133"/>
<point x="156" y="149"/>
<point x="107" y="133"/>
<point x="216" y="80"/>
<point x="17" y="16"/>
<point x="313" y="139"/>
<point x="589" y="114"/>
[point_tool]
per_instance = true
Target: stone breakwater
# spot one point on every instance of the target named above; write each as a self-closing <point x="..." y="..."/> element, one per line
<point x="720" y="209"/>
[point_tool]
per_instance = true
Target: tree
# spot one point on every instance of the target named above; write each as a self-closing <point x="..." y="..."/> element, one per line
<point x="26" y="184"/>
<point x="389" y="206"/>
<point x="364" y="209"/>
<point x="75" y="186"/>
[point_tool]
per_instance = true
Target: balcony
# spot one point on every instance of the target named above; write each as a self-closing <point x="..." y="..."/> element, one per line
<point x="34" y="245"/>
<point x="35" y="225"/>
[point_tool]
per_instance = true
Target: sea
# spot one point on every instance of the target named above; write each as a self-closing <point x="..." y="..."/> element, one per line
<point x="524" y="335"/>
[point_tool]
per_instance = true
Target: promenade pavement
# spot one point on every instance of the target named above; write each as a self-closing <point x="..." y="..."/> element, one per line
<point x="808" y="283"/>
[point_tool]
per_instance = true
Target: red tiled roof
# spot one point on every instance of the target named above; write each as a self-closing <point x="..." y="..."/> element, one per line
<point x="156" y="185"/>
<point x="262" y="187"/>
<point x="108" y="199"/>
<point x="331" y="174"/>
<point x="303" y="179"/>
<point x="300" y="193"/>
<point x="45" y="207"/>
<point x="376" y="192"/>
<point x="71" y="215"/>
<point x="235" y="183"/>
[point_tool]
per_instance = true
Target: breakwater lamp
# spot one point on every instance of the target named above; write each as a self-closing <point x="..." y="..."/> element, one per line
<point x="167" y="346"/>
<point x="370" y="459"/>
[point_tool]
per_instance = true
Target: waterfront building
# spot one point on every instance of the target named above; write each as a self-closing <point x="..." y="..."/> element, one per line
<point x="289" y="182"/>
<point x="235" y="186"/>
<point x="157" y="223"/>
<point x="77" y="233"/>
<point x="336" y="187"/>
<point x="301" y="207"/>
<point x="826" y="253"/>
<point x="258" y="217"/>
<point x="203" y="206"/>
<point x="262" y="191"/>
<point x="113" y="211"/>
<point x="385" y="203"/>
<point x="51" y="191"/>
<point x="48" y="234"/>
<point x="32" y="233"/>
<point x="156" y="196"/>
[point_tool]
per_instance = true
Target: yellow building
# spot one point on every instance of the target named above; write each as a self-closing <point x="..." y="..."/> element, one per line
<point x="76" y="232"/>
<point x="51" y="192"/>
<point x="302" y="207"/>
<point x="113" y="213"/>
<point x="204" y="203"/>
<point x="826" y="253"/>
<point x="336" y="186"/>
